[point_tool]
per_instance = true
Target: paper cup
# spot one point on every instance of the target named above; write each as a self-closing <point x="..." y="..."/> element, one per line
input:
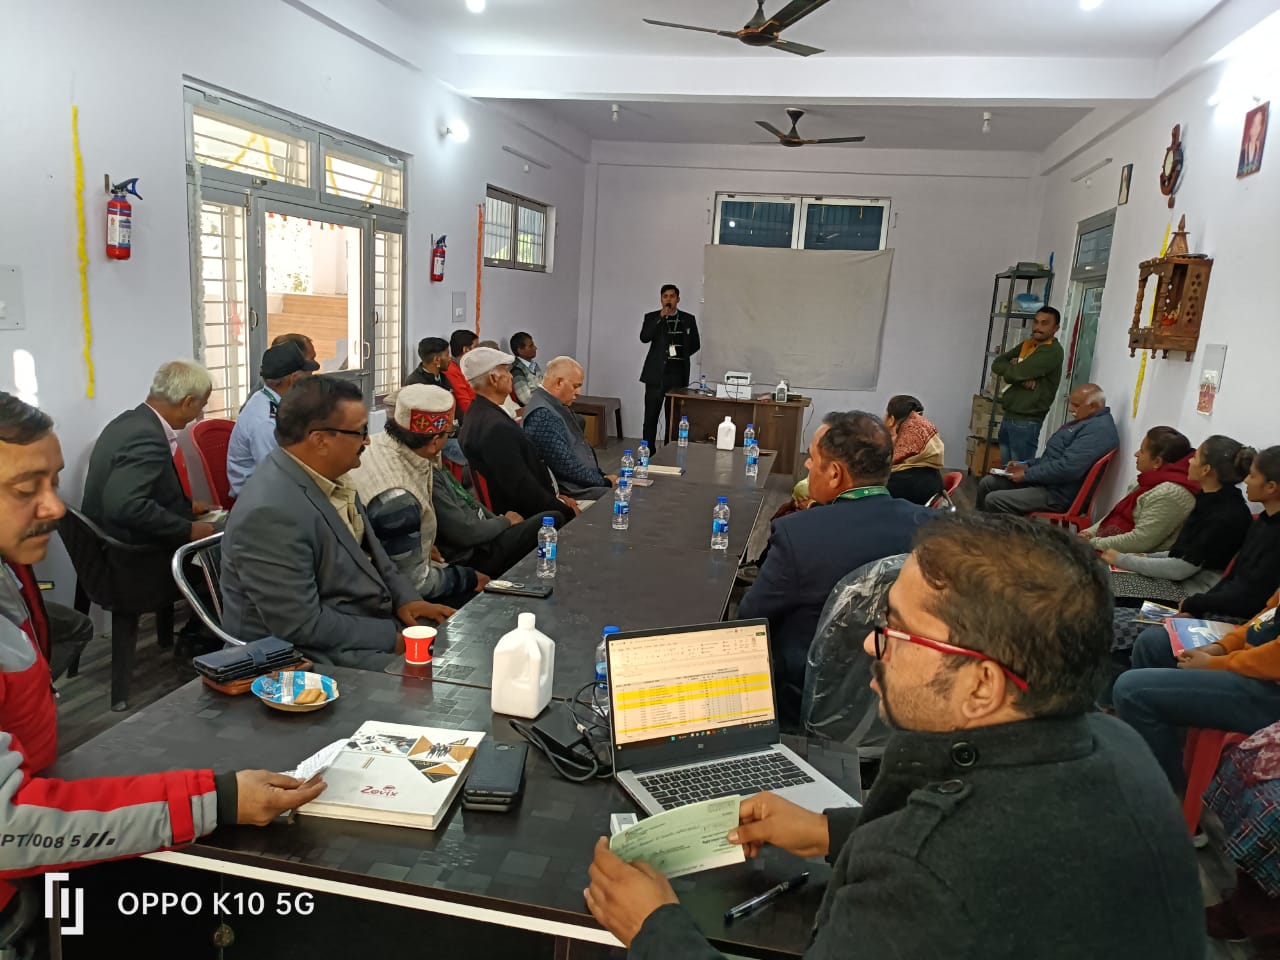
<point x="417" y="644"/>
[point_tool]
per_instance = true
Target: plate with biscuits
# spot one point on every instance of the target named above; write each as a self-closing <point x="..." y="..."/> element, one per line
<point x="296" y="691"/>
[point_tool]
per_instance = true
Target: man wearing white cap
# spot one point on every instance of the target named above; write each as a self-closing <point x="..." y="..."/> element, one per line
<point x="517" y="478"/>
<point x="394" y="480"/>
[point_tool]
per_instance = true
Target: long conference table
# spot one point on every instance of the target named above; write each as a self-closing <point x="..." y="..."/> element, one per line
<point x="519" y="874"/>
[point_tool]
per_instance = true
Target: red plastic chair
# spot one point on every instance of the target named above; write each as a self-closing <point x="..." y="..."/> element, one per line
<point x="1080" y="514"/>
<point x="951" y="481"/>
<point x="1200" y="760"/>
<point x="212" y="438"/>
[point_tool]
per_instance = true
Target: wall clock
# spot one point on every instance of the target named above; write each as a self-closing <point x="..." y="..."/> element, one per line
<point x="1171" y="169"/>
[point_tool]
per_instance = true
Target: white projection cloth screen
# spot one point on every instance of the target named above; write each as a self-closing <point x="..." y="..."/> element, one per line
<point x="813" y="317"/>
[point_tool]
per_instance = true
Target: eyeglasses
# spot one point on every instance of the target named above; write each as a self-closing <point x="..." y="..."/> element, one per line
<point x="362" y="433"/>
<point x="883" y="634"/>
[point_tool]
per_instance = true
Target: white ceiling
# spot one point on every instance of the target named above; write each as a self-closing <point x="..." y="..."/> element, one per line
<point x="1059" y="28"/>
<point x="885" y="127"/>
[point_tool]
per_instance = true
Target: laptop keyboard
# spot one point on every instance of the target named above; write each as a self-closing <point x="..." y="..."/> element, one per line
<point x="706" y="781"/>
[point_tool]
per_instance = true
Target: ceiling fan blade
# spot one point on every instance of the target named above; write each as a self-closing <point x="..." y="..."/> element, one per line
<point x="794" y="11"/>
<point x="685" y="26"/>
<point x="797" y="48"/>
<point x="838" y="140"/>
<point x="771" y="128"/>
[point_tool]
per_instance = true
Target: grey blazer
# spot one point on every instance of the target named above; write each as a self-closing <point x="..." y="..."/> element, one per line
<point x="292" y="569"/>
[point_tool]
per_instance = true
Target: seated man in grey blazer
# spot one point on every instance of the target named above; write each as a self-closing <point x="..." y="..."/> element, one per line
<point x="555" y="431"/>
<point x="299" y="559"/>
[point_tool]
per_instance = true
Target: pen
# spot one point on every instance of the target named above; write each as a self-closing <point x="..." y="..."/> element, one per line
<point x="742" y="909"/>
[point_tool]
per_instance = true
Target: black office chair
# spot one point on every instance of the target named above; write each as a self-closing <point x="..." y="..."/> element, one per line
<point x="205" y="555"/>
<point x="837" y="703"/>
<point x="127" y="581"/>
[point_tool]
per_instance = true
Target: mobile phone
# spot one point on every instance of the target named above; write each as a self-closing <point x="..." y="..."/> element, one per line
<point x="495" y="779"/>
<point x="515" y="589"/>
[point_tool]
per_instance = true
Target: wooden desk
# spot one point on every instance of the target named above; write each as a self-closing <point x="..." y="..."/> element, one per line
<point x="779" y="426"/>
<point x="600" y="407"/>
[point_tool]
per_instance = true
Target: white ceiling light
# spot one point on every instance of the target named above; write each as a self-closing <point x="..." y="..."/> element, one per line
<point x="458" y="130"/>
<point x="1085" y="5"/>
<point x="475" y="6"/>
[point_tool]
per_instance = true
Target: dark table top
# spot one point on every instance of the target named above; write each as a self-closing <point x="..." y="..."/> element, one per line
<point x="531" y="862"/>
<point x="660" y="572"/>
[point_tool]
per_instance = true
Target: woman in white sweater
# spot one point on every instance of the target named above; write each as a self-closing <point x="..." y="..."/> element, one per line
<point x="1149" y="516"/>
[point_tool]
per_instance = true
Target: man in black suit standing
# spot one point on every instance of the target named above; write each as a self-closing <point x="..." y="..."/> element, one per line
<point x="132" y="489"/>
<point x="672" y="336"/>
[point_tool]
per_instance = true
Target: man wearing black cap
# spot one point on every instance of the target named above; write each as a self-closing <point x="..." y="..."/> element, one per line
<point x="254" y="435"/>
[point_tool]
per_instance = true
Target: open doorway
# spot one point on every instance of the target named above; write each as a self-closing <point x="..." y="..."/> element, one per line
<point x="1083" y="309"/>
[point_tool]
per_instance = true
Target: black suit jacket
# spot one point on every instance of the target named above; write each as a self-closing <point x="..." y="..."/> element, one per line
<point x="132" y="489"/>
<point x="654" y="332"/>
<point x="517" y="476"/>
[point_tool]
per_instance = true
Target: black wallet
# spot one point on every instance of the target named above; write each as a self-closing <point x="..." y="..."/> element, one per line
<point x="251" y="660"/>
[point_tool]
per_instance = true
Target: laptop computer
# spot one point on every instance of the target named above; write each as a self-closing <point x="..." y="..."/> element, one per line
<point x="693" y="717"/>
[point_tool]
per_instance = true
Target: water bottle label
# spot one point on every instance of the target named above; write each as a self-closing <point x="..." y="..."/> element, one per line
<point x="621" y="508"/>
<point x="628" y="473"/>
<point x="546" y="551"/>
<point x="719" y="526"/>
<point x="644" y="462"/>
<point x="602" y="672"/>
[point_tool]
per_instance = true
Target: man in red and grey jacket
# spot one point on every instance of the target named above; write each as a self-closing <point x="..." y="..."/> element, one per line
<point x="82" y="821"/>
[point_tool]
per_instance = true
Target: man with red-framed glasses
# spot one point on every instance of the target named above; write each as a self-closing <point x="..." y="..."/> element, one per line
<point x="1009" y="819"/>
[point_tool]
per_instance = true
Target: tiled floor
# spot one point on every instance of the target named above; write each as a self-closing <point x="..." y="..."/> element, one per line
<point x="84" y="709"/>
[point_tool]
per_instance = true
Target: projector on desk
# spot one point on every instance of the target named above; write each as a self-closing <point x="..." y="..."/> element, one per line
<point x="736" y="386"/>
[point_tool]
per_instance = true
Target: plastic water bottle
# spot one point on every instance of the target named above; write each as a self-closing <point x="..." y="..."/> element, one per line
<point x="622" y="505"/>
<point x="702" y="383"/>
<point x="752" y="450"/>
<point x="600" y="696"/>
<point x="627" y="470"/>
<point x="720" y="524"/>
<point x="642" y="460"/>
<point x="547" y="540"/>
<point x="684" y="432"/>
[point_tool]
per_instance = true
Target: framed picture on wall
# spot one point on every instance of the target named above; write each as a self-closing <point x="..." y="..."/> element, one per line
<point x="1253" y="140"/>
<point x="1126" y="175"/>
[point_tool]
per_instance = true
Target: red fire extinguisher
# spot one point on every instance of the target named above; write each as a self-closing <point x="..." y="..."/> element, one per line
<point x="437" y="260"/>
<point x="120" y="219"/>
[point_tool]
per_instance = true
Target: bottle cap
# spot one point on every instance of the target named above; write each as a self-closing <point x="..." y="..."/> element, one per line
<point x="626" y="453"/>
<point x="548" y="521"/>
<point x="525" y="621"/>
<point x="751" y="426"/>
<point x="722" y="499"/>
<point x="609" y="630"/>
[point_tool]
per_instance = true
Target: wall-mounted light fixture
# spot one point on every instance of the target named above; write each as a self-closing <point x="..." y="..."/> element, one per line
<point x="525" y="157"/>
<point x="456" y="130"/>
<point x="1094" y="169"/>
<point x="986" y="121"/>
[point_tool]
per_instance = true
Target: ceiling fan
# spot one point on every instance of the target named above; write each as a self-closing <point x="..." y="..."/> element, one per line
<point x="792" y="137"/>
<point x="762" y="31"/>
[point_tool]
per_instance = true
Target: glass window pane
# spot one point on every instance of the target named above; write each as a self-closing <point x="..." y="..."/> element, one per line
<point x="1095" y="247"/>
<point x="747" y="223"/>
<point x="271" y="155"/>
<point x="832" y="226"/>
<point x="387" y="281"/>
<point x="498" y="216"/>
<point x="530" y="238"/>
<point x="361" y="180"/>
<point x="224" y="338"/>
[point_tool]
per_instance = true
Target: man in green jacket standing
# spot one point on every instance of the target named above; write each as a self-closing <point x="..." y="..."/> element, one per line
<point x="1032" y="370"/>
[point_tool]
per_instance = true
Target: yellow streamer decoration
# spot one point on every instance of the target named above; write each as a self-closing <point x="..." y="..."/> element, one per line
<point x="1142" y="366"/>
<point x="82" y="252"/>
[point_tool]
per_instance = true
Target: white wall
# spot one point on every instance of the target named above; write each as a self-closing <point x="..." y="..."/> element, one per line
<point x="956" y="220"/>
<point x="131" y="124"/>
<point x="1233" y="221"/>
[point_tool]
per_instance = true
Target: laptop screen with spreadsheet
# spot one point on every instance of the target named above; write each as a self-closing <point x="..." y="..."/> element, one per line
<point x="685" y="690"/>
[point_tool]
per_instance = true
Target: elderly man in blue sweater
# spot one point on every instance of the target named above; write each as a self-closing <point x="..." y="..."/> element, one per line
<point x="1051" y="482"/>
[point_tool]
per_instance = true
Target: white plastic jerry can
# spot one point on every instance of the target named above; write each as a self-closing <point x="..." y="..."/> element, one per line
<point x="727" y="435"/>
<point x="524" y="661"/>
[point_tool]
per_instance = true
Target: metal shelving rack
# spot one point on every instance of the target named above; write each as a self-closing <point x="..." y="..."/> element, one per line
<point x="1003" y="316"/>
